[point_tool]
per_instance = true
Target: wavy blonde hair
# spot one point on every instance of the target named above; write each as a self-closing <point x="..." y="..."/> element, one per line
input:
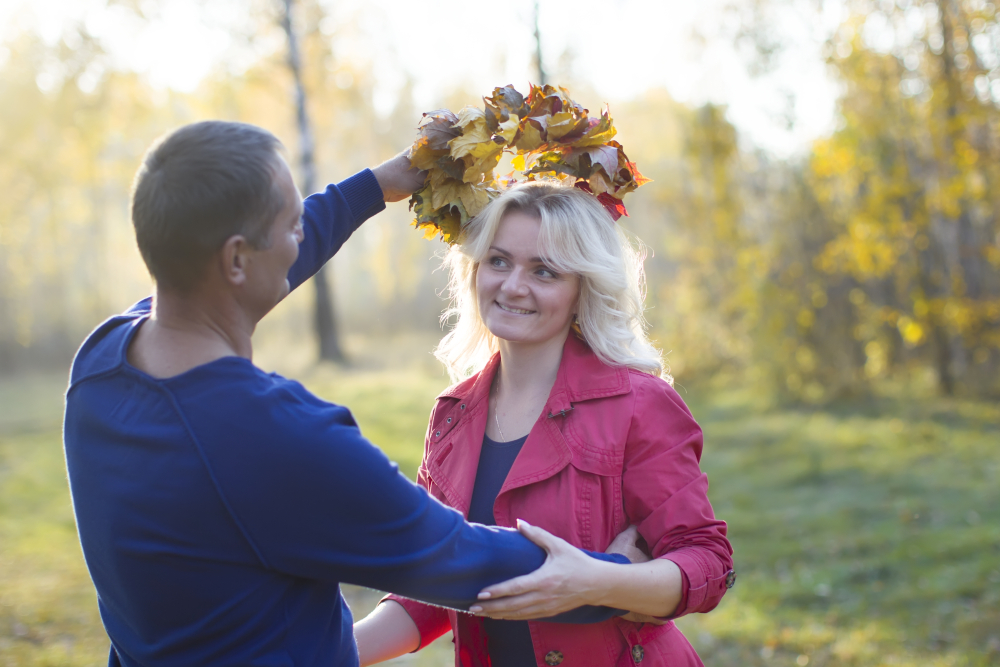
<point x="577" y="236"/>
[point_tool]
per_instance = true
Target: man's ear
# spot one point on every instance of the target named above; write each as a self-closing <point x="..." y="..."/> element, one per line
<point x="233" y="259"/>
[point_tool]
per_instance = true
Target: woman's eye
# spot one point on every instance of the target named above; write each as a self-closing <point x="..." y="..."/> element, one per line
<point x="547" y="273"/>
<point x="497" y="261"/>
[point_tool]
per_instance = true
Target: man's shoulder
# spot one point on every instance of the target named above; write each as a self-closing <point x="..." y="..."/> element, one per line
<point x="104" y="348"/>
<point x="234" y="394"/>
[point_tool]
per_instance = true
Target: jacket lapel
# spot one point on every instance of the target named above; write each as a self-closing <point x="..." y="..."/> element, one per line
<point x="581" y="376"/>
<point x="455" y="460"/>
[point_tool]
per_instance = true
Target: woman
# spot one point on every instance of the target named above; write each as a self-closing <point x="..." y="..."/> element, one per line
<point x="567" y="425"/>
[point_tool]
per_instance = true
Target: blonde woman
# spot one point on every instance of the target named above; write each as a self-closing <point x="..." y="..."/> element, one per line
<point x="564" y="424"/>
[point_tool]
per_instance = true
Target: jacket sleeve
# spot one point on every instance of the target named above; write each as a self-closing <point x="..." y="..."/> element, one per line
<point x="666" y="495"/>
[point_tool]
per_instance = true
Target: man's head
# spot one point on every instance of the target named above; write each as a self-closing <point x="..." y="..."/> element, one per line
<point x="200" y="186"/>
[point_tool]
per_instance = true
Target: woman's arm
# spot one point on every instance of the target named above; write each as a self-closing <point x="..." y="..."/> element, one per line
<point x="386" y="633"/>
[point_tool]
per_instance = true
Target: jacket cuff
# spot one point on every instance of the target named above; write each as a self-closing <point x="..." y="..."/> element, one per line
<point x="431" y="621"/>
<point x="704" y="586"/>
<point x="363" y="195"/>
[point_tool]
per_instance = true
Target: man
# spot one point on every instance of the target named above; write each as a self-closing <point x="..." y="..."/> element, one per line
<point x="219" y="507"/>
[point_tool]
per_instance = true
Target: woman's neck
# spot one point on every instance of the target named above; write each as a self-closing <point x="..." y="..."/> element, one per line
<point x="528" y="369"/>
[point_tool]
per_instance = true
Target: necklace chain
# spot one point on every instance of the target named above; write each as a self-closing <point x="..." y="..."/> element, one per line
<point x="496" y="409"/>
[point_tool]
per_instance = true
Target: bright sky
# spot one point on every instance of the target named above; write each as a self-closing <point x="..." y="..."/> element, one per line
<point x="622" y="47"/>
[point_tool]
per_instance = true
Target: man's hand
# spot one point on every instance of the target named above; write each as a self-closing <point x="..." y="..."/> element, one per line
<point x="397" y="178"/>
<point x="628" y="544"/>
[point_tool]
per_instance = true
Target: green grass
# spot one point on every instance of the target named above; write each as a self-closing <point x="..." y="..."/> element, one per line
<point x="865" y="533"/>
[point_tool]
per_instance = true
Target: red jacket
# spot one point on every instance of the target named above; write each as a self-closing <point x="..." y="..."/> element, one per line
<point x="612" y="447"/>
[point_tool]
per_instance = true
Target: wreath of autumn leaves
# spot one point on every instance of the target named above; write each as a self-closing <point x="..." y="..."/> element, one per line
<point x="550" y="136"/>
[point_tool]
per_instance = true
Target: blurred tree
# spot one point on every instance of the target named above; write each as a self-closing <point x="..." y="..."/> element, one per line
<point x="910" y="183"/>
<point x="324" y="317"/>
<point x="68" y="149"/>
<point x="539" y="62"/>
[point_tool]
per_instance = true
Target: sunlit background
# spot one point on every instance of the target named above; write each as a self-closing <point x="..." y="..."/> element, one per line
<point x="823" y="264"/>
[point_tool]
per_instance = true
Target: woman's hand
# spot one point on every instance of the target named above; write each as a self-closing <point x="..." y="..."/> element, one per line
<point x="568" y="579"/>
<point x="629" y="543"/>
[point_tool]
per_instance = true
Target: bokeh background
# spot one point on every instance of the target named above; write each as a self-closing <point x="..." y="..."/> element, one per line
<point x="823" y="265"/>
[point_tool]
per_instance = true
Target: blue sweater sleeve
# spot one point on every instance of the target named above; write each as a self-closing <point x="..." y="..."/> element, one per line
<point x="330" y="217"/>
<point x="315" y="499"/>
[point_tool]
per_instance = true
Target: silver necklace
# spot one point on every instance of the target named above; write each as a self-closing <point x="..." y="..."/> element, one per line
<point x="496" y="408"/>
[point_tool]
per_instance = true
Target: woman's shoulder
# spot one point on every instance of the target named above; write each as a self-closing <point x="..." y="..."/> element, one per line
<point x="654" y="392"/>
<point x="459" y="388"/>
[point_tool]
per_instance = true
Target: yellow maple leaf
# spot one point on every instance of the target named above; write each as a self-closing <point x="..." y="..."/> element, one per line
<point x="508" y="129"/>
<point x="599" y="183"/>
<point x="476" y="139"/>
<point x="444" y="191"/>
<point x="530" y="137"/>
<point x="598" y="133"/>
<point x="474" y="199"/>
<point x="561" y="124"/>
<point x="478" y="169"/>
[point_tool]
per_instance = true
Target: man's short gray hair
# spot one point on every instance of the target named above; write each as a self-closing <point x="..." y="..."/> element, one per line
<point x="197" y="187"/>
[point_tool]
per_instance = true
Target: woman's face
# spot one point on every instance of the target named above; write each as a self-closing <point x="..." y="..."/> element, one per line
<point x="521" y="299"/>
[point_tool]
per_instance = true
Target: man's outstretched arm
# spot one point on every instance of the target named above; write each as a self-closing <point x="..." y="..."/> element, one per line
<point x="330" y="217"/>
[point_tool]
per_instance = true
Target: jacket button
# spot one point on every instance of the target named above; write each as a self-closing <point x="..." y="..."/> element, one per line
<point x="438" y="434"/>
<point x="448" y="420"/>
<point x="553" y="658"/>
<point x="730" y="579"/>
<point x="462" y="406"/>
<point x="638" y="653"/>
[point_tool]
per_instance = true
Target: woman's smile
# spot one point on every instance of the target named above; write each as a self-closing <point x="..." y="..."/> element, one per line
<point x="516" y="311"/>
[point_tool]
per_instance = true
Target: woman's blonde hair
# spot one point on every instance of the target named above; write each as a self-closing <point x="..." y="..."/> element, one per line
<point x="577" y="236"/>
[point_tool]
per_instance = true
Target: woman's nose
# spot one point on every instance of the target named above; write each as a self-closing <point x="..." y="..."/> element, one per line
<point x="515" y="282"/>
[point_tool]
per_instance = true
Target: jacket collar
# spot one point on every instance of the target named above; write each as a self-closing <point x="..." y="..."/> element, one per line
<point x="582" y="376"/>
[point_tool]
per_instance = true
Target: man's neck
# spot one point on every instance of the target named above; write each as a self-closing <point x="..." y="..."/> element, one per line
<point x="190" y="330"/>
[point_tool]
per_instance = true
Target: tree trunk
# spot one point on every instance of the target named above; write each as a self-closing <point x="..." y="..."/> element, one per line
<point x="538" y="50"/>
<point x="950" y="352"/>
<point x="324" y="319"/>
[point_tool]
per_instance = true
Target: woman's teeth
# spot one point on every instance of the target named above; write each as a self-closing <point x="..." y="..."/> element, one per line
<point x="518" y="311"/>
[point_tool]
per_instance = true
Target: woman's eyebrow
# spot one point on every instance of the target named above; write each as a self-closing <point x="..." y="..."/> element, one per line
<point x="533" y="260"/>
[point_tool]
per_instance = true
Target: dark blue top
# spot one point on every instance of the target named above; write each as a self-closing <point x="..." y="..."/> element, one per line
<point x="509" y="642"/>
<point x="219" y="510"/>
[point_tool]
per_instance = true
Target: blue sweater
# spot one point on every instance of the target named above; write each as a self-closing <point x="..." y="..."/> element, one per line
<point x="220" y="509"/>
